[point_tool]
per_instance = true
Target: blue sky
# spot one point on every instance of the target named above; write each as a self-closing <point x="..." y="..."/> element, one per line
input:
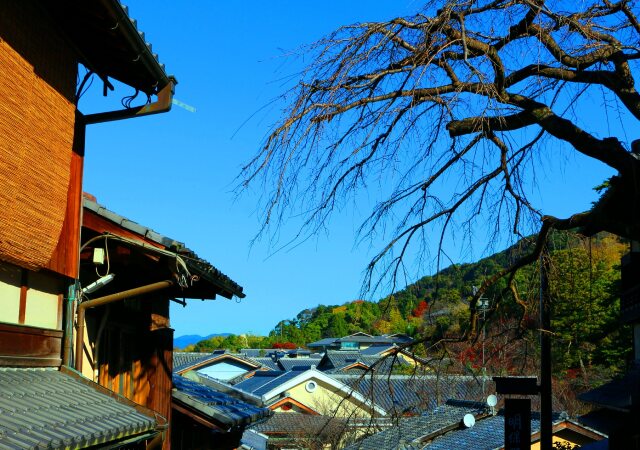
<point x="175" y="172"/>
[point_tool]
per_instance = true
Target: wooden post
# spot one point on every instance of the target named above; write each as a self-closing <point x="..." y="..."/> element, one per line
<point x="545" y="353"/>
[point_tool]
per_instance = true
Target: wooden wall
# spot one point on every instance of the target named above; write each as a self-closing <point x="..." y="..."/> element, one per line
<point x="134" y="353"/>
<point x="28" y="346"/>
<point x="40" y="173"/>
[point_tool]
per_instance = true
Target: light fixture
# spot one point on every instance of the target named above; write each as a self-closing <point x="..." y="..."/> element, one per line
<point x="100" y="282"/>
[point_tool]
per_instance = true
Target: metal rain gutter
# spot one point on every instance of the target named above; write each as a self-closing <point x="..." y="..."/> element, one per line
<point x="82" y="307"/>
<point x="161" y="105"/>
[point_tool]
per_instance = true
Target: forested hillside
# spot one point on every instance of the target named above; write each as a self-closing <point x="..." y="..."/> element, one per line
<point x="584" y="282"/>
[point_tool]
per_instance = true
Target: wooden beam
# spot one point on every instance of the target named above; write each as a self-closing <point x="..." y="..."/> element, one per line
<point x="23" y="296"/>
<point x="195" y="417"/>
<point x="22" y="345"/>
<point x="100" y="225"/>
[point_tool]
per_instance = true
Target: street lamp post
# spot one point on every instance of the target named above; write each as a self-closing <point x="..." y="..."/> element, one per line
<point x="483" y="305"/>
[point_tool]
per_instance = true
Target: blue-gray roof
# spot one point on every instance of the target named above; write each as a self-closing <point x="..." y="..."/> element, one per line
<point x="616" y="394"/>
<point x="322" y="342"/>
<point x="486" y="434"/>
<point x="375" y="350"/>
<point x="263" y="382"/>
<point x="214" y="404"/>
<point x="259" y="352"/>
<point x="441" y="429"/>
<point x="258" y="380"/>
<point x="48" y="408"/>
<point x="184" y="360"/>
<point x="290" y="363"/>
<point x="366" y="339"/>
<point x="293" y="423"/>
<point x="401" y="394"/>
<point x="337" y="359"/>
<point x="267" y="361"/>
<point x="406" y="430"/>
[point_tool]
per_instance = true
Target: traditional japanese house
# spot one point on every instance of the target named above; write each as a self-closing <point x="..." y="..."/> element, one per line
<point x="125" y="337"/>
<point x="42" y="134"/>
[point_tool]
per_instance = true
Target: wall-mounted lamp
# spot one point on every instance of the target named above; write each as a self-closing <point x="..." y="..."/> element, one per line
<point x="100" y="282"/>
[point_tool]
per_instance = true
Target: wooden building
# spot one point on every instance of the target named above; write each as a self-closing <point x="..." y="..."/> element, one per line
<point x="42" y="150"/>
<point x="42" y="136"/>
<point x="128" y="341"/>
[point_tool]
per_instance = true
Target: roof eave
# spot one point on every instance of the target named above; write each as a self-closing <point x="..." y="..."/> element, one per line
<point x="137" y="41"/>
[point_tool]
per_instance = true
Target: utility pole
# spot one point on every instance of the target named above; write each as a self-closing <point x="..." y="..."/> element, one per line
<point x="483" y="304"/>
<point x="545" y="352"/>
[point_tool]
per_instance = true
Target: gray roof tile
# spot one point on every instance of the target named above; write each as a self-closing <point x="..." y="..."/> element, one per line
<point x="292" y="423"/>
<point x="401" y="394"/>
<point x="408" y="429"/>
<point x="290" y="363"/>
<point x="183" y="360"/>
<point x="48" y="408"/>
<point x="204" y="269"/>
<point x="376" y="349"/>
<point x="222" y="407"/>
<point x="263" y="382"/>
<point x="267" y="362"/>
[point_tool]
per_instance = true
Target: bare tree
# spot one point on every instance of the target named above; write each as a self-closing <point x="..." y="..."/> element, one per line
<point x="447" y="111"/>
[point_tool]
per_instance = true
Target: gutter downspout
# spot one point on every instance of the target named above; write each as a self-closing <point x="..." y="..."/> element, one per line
<point x="156" y="442"/>
<point x="82" y="307"/>
<point x="161" y="105"/>
<point x="68" y="325"/>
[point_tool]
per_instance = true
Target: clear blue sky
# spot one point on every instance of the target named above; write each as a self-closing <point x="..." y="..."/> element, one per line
<point x="175" y="172"/>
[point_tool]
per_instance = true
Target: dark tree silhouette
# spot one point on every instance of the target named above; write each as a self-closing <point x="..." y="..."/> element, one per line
<point x="468" y="91"/>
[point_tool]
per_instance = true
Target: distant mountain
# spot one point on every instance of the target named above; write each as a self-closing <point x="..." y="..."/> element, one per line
<point x="437" y="302"/>
<point x="183" y="341"/>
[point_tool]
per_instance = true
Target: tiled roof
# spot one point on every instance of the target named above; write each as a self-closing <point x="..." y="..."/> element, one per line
<point x="299" y="351"/>
<point x="400" y="394"/>
<point x="183" y="360"/>
<point x="257" y="385"/>
<point x="376" y="349"/>
<point x="267" y="362"/>
<point x="290" y="363"/>
<point x="258" y="352"/>
<point x="47" y="408"/>
<point x="253" y="440"/>
<point x="226" y="286"/>
<point x="406" y="430"/>
<point x="366" y="339"/>
<point x="258" y="380"/>
<point x="336" y="359"/>
<point x="322" y="342"/>
<point x="293" y="423"/>
<point x="109" y="42"/>
<point x="487" y="433"/>
<point x="214" y="404"/>
<point x="191" y="360"/>
<point x="617" y="394"/>
<point x="286" y="376"/>
<point x="227" y="388"/>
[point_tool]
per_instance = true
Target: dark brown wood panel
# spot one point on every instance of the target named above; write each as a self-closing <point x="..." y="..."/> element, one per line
<point x="28" y="346"/>
<point x="65" y="258"/>
<point x="94" y="222"/>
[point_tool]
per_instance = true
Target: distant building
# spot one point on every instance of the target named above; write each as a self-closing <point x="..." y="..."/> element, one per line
<point x="359" y="341"/>
<point x="443" y="428"/>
